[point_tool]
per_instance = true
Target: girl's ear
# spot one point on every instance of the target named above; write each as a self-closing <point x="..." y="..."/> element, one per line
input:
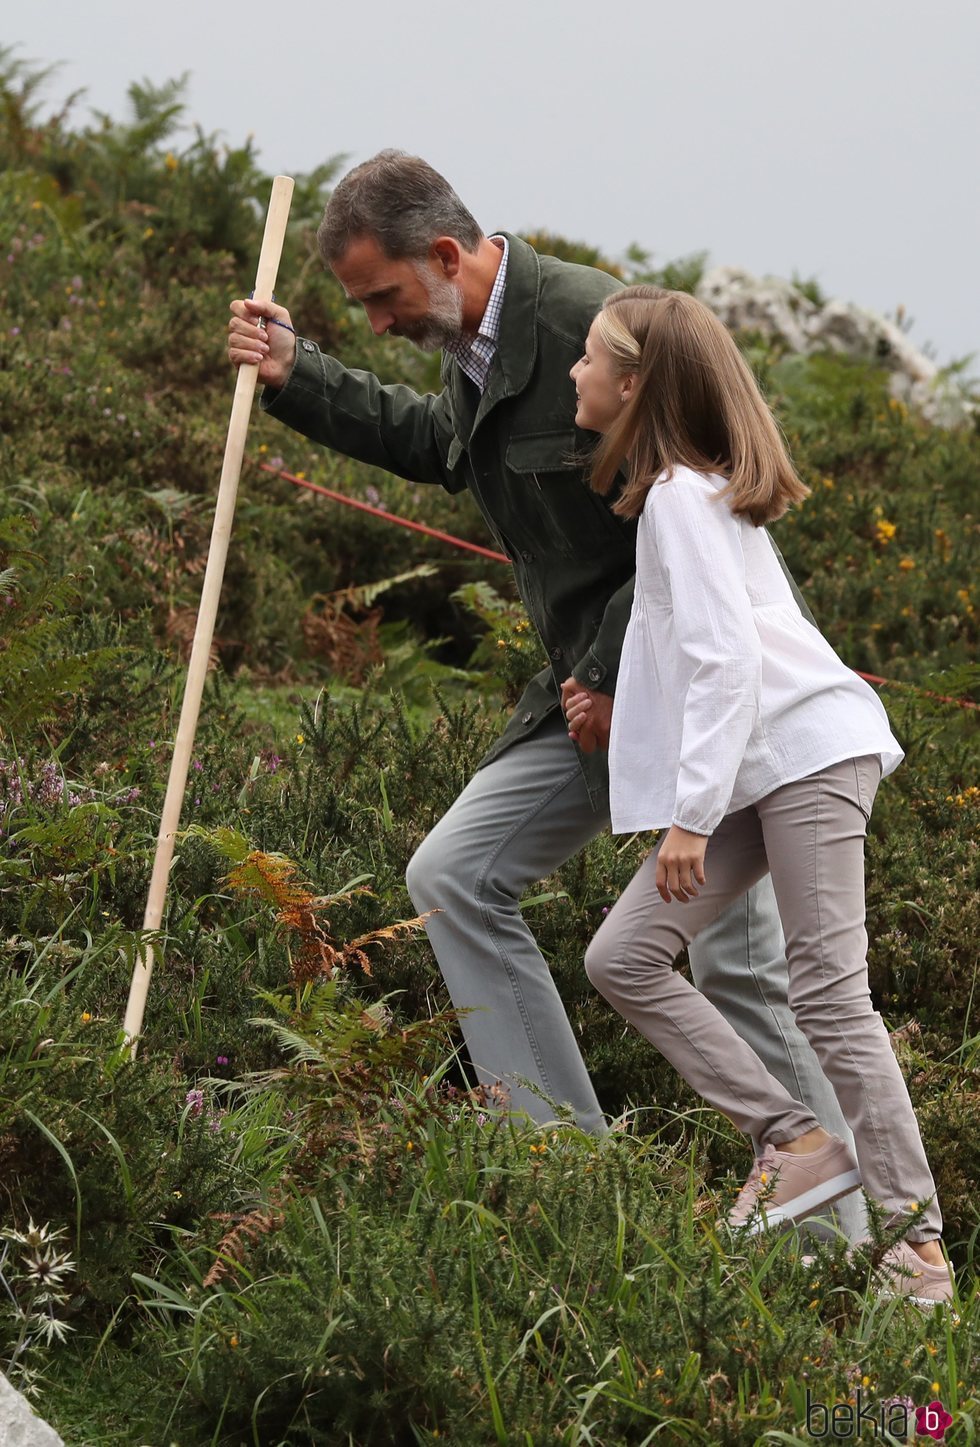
<point x="626" y="386"/>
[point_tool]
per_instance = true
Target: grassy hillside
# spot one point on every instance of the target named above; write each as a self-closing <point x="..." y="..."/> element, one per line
<point x="287" y="1221"/>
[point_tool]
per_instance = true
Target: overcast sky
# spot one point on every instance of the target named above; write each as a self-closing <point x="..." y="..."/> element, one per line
<point x="835" y="139"/>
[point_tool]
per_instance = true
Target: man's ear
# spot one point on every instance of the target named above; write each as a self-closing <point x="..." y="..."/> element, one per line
<point x="446" y="253"/>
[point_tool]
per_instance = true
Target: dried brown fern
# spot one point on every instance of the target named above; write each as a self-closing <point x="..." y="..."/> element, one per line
<point x="299" y="912"/>
<point x="247" y="1231"/>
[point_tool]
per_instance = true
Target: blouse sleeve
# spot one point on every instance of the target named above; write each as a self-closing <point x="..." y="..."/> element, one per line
<point x="700" y="550"/>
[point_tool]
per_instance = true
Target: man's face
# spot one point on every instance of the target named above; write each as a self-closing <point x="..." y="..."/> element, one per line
<point x="411" y="299"/>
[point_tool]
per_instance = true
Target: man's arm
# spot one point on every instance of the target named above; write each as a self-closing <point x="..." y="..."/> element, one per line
<point x="349" y="411"/>
<point x="595" y="674"/>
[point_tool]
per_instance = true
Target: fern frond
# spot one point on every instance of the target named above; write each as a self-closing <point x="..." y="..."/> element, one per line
<point x="247" y="1231"/>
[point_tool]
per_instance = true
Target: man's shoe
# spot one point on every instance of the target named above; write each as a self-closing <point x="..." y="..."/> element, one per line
<point x="903" y="1272"/>
<point x="784" y="1186"/>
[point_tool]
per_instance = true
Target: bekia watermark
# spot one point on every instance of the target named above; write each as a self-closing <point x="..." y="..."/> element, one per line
<point x="898" y="1417"/>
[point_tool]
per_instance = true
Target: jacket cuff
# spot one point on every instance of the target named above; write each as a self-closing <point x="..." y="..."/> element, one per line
<point x="592" y="673"/>
<point x="307" y="369"/>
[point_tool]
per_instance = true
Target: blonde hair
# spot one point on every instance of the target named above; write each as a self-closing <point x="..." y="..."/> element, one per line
<point x="695" y="403"/>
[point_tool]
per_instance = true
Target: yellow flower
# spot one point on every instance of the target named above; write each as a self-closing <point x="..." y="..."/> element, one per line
<point x="263" y="447"/>
<point x="170" y="161"/>
<point x="86" y="1017"/>
<point x="301" y="738"/>
<point x="410" y="1145"/>
<point x="829" y="483"/>
<point x="233" y="1340"/>
<point x="148" y="233"/>
<point x="906" y="564"/>
<point x="884" y="530"/>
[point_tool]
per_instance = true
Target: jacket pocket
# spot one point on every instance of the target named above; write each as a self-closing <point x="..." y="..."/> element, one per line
<point x="556" y="499"/>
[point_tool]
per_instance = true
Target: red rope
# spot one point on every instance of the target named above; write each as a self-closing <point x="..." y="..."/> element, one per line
<point x="390" y="517"/>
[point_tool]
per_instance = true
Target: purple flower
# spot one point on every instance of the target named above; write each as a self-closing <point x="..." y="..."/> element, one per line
<point x="221" y="1060"/>
<point x="195" y="1100"/>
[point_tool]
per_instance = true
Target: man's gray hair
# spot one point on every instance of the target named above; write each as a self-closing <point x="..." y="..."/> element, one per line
<point x="402" y="203"/>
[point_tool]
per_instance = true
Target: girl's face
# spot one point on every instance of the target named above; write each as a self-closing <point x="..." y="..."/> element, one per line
<point x="599" y="390"/>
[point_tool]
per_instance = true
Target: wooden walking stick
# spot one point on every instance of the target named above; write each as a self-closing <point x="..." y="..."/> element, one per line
<point x="224" y="512"/>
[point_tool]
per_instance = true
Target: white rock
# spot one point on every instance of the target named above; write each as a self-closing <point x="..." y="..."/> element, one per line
<point x="19" y="1427"/>
<point x="776" y="309"/>
<point x="842" y="327"/>
<point x="779" y="311"/>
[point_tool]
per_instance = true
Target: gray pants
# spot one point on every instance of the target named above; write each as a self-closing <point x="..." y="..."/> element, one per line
<point x="516" y="821"/>
<point x="809" y="835"/>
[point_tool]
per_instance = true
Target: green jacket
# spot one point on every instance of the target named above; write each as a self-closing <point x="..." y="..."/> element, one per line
<point x="514" y="449"/>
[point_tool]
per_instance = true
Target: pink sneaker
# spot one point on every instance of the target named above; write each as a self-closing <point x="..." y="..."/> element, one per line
<point x="904" y="1273"/>
<point x="783" y="1186"/>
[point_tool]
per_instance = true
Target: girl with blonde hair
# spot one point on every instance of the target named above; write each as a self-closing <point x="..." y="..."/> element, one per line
<point x="738" y="730"/>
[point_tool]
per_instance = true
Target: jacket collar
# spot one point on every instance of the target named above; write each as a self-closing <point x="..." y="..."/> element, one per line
<point x="517" y="345"/>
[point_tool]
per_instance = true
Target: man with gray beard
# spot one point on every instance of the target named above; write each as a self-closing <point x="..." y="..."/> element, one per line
<point x="510" y="324"/>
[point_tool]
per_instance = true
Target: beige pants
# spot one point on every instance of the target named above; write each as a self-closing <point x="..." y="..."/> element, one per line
<point x="809" y="836"/>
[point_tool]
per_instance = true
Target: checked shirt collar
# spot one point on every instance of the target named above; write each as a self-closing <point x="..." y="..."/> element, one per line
<point x="475" y="354"/>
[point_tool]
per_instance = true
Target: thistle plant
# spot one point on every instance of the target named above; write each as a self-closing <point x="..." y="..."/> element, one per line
<point x="33" y="1292"/>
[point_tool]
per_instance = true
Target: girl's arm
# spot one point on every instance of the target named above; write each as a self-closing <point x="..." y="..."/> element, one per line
<point x="699" y="547"/>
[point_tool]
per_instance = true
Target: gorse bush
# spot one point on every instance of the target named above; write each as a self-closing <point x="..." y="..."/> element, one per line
<point x="289" y="1219"/>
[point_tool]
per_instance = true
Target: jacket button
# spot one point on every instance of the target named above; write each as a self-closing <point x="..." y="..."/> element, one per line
<point x="556" y="654"/>
<point x="595" y="675"/>
<point x="528" y="557"/>
<point x="527" y="718"/>
<point x="308" y="347"/>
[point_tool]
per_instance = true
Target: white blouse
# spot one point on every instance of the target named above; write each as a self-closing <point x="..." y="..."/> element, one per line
<point x="725" y="691"/>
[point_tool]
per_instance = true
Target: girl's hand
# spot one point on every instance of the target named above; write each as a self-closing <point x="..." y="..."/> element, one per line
<point x="578" y="707"/>
<point x="589" y="715"/>
<point x="680" y="864"/>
